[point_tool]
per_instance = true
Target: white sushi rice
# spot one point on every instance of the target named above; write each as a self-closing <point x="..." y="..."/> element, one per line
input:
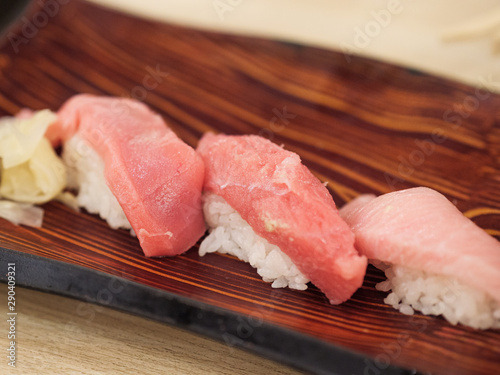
<point x="230" y="234"/>
<point x="86" y="174"/>
<point x="438" y="295"/>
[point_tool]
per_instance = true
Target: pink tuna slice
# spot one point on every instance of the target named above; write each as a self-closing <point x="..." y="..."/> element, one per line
<point x="421" y="229"/>
<point x="156" y="177"/>
<point x="288" y="206"/>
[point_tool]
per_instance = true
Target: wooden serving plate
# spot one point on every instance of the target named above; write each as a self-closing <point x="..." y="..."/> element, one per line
<point x="362" y="125"/>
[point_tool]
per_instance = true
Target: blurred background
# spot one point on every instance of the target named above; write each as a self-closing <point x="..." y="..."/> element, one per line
<point x="454" y="39"/>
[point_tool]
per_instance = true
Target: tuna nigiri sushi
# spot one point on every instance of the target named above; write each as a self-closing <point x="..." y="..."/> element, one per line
<point x="436" y="260"/>
<point x="129" y="167"/>
<point x="265" y="207"/>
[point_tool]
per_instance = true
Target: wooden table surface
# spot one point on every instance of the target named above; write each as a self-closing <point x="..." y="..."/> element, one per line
<point x="58" y="335"/>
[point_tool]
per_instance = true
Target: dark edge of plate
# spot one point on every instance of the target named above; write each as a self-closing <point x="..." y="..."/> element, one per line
<point x="10" y="12"/>
<point x="267" y="340"/>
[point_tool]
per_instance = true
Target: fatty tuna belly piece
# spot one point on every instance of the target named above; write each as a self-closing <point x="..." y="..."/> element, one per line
<point x="155" y="177"/>
<point x="287" y="207"/>
<point x="437" y="261"/>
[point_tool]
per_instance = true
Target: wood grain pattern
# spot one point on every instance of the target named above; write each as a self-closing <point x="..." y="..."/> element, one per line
<point x="361" y="125"/>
